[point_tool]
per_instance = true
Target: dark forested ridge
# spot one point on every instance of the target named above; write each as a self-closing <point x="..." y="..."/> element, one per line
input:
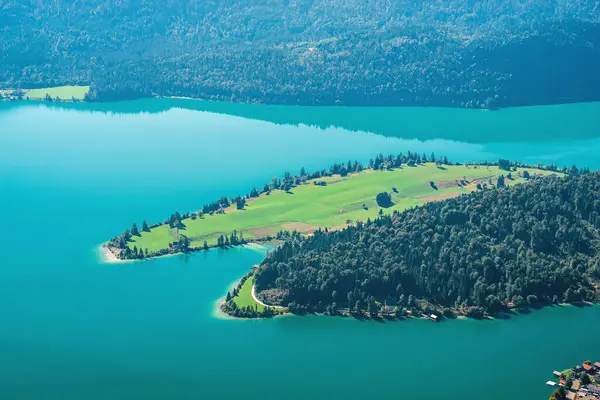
<point x="490" y="53"/>
<point x="535" y="243"/>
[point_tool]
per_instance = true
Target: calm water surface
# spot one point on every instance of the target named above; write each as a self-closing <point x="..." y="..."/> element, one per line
<point x="72" y="176"/>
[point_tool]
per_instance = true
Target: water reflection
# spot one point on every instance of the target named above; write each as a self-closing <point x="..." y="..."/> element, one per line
<point x="524" y="124"/>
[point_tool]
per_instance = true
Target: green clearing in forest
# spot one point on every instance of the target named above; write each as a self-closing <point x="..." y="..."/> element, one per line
<point x="309" y="206"/>
<point x="62" y="92"/>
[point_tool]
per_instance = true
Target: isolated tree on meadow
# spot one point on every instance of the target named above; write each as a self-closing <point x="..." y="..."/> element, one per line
<point x="184" y="243"/>
<point x="504" y="164"/>
<point x="500" y="182"/>
<point x="384" y="199"/>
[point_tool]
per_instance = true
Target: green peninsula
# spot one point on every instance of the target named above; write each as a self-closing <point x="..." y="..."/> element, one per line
<point x="332" y="199"/>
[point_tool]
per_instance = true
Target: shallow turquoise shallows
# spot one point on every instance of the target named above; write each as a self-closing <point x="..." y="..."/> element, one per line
<point x="73" y="175"/>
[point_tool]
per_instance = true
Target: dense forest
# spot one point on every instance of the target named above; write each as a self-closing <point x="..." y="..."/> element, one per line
<point x="466" y="53"/>
<point x="486" y="252"/>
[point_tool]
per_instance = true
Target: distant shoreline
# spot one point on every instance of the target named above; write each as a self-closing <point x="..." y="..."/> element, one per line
<point x="67" y="99"/>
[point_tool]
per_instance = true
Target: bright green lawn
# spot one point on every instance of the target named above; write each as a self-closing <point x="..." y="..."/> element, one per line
<point x="327" y="206"/>
<point x="62" y="92"/>
<point x="244" y="297"/>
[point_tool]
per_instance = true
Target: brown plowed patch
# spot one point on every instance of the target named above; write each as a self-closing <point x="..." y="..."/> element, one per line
<point x="439" y="197"/>
<point x="448" y="184"/>
<point x="300" y="227"/>
<point x="339" y="227"/>
<point x="263" y="231"/>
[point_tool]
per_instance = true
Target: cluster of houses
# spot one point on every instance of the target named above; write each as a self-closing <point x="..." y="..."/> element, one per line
<point x="581" y="382"/>
<point x="10" y="94"/>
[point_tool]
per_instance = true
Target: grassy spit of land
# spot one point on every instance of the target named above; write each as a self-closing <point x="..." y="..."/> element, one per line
<point x="244" y="297"/>
<point x="241" y="302"/>
<point x="342" y="201"/>
<point x="58" y="93"/>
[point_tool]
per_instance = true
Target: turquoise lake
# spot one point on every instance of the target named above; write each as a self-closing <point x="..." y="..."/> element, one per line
<point x="71" y="327"/>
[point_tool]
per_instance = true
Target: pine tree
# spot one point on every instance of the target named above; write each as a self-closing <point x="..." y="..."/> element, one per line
<point x="240" y="203"/>
<point x="500" y="182"/>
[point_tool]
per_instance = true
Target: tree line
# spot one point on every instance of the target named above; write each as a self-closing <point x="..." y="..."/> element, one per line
<point x="483" y="253"/>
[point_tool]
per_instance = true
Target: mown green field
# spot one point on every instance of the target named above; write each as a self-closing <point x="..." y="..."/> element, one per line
<point x="62" y="92"/>
<point x="340" y="202"/>
<point x="244" y="297"/>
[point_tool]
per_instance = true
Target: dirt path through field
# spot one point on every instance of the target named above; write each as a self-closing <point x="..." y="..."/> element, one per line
<point x="261" y="303"/>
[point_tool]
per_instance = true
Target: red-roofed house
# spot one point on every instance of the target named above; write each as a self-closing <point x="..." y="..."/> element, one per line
<point x="597" y="365"/>
<point x="587" y="367"/>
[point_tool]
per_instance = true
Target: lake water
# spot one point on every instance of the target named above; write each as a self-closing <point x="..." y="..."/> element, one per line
<point x="74" y="175"/>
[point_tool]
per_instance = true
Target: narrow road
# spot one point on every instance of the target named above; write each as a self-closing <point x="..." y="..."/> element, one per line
<point x="263" y="304"/>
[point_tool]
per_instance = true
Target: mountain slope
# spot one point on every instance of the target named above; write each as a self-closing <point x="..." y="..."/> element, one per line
<point x="475" y="54"/>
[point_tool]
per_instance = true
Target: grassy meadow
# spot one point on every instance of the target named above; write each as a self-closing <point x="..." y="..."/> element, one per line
<point x="308" y="206"/>
<point x="244" y="297"/>
<point x="62" y="92"/>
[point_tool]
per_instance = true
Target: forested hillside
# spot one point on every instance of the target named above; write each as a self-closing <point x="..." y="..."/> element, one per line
<point x="529" y="244"/>
<point x="463" y="53"/>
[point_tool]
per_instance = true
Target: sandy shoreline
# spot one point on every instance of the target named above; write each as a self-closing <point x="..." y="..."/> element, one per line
<point x="256" y="247"/>
<point x="108" y="257"/>
<point x="217" y="312"/>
